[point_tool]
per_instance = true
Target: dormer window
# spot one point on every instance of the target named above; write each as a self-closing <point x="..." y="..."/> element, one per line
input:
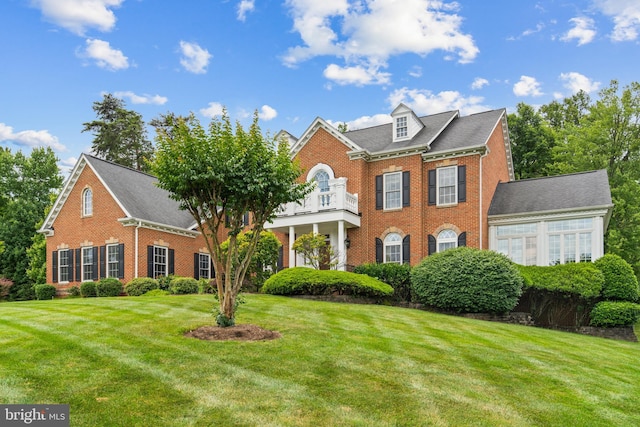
<point x="401" y="127"/>
<point x="87" y="202"/>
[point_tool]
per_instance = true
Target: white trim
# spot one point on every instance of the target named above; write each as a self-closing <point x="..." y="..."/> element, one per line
<point x="384" y="191"/>
<point x="141" y="223"/>
<point x="395" y="243"/>
<point x="313" y="128"/>
<point x="455" y="185"/>
<point x="320" y="167"/>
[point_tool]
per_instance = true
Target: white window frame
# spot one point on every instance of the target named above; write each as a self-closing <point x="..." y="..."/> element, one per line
<point x="66" y="268"/>
<point x="87" y="202"/>
<point x="525" y="235"/>
<point x="113" y="265"/>
<point x="401" y="127"/>
<point x="87" y="264"/>
<point x="446" y="237"/>
<point x="207" y="269"/>
<point x="570" y="229"/>
<point x="160" y="261"/>
<point x="315" y="178"/>
<point x="439" y="185"/>
<point x="399" y="190"/>
<point x="392" y="248"/>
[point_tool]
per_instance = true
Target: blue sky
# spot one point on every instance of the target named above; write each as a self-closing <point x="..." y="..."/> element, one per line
<point x="294" y="60"/>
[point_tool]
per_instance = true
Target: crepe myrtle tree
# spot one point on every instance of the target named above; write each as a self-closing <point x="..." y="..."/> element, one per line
<point x="219" y="174"/>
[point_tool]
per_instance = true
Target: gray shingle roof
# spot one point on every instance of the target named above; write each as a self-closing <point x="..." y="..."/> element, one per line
<point x="461" y="132"/>
<point x="139" y="194"/>
<point x="556" y="193"/>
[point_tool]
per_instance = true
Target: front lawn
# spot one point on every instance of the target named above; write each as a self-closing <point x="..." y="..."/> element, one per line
<point x="124" y="362"/>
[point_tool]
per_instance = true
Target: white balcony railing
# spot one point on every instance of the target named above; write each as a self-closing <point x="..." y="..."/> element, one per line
<point x="337" y="198"/>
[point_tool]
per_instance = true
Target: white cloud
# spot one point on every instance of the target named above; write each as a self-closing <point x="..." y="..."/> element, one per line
<point x="357" y="75"/>
<point x="30" y="138"/>
<point x="415" y="71"/>
<point x="104" y="55"/>
<point x="479" y="83"/>
<point x="576" y="82"/>
<point x="582" y="30"/>
<point x="364" y="122"/>
<point x="626" y="18"/>
<point x="243" y="7"/>
<point x="142" y="99"/>
<point x="267" y="113"/>
<point x="527" y="86"/>
<point x="366" y="33"/>
<point x="214" y="109"/>
<point x="79" y="15"/>
<point x="194" y="58"/>
<point x="425" y="102"/>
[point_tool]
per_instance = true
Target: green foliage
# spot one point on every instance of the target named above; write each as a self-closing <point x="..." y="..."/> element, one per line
<point x="164" y="282"/>
<point x="467" y="280"/>
<point x="581" y="279"/>
<point x="5" y="287"/>
<point x="184" y="285"/>
<point x="307" y="281"/>
<point x="314" y="250"/>
<point x="396" y="275"/>
<point x="620" y="282"/>
<point x="206" y="286"/>
<point x="109" y="287"/>
<point x="156" y="293"/>
<point x="265" y="256"/>
<point x="120" y="134"/>
<point x="44" y="292"/>
<point x="37" y="255"/>
<point x="532" y="142"/>
<point x="74" y="291"/>
<point x="88" y="289"/>
<point x="615" y="313"/>
<point x="140" y="285"/>
<point x="219" y="174"/>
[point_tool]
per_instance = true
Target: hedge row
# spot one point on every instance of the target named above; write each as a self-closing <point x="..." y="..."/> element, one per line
<point x="171" y="284"/>
<point x="582" y="279"/>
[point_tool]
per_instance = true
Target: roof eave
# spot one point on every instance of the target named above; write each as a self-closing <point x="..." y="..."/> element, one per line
<point x="602" y="210"/>
<point x="138" y="222"/>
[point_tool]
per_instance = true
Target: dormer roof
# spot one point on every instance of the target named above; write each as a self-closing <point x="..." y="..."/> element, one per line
<point x="406" y="125"/>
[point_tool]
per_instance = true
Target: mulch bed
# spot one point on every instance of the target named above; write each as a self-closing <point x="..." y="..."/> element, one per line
<point x="235" y="333"/>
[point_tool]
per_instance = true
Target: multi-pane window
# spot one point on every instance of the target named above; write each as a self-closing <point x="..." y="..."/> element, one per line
<point x="570" y="240"/>
<point x="87" y="264"/>
<point x="447" y="239"/>
<point x="393" y="248"/>
<point x="64" y="265"/>
<point x="159" y="261"/>
<point x="87" y="202"/>
<point x="113" y="264"/>
<point x="393" y="190"/>
<point x="401" y="127"/>
<point x="204" y="266"/>
<point x="322" y="178"/>
<point x="519" y="242"/>
<point x="447" y="178"/>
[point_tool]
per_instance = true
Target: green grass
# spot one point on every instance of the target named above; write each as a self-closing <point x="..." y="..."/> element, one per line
<point x="124" y="362"/>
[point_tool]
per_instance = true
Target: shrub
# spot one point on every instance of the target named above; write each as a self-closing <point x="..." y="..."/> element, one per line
<point x="109" y="287"/>
<point x="74" y="291"/>
<point x="156" y="293"/>
<point x="467" y="280"/>
<point x="615" y="313"/>
<point x="307" y="281"/>
<point x="88" y="289"/>
<point x="164" y="282"/>
<point x="206" y="286"/>
<point x="184" y="285"/>
<point x="5" y="287"/>
<point x="620" y="282"/>
<point x="582" y="279"/>
<point x="396" y="275"/>
<point x="44" y="292"/>
<point x="141" y="285"/>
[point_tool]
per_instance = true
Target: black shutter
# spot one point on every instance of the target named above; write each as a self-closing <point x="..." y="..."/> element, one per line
<point x="79" y="262"/>
<point x="406" y="249"/>
<point x="103" y="262"/>
<point x="379" y="251"/>
<point x="54" y="266"/>
<point x="280" y="258"/>
<point x="121" y="261"/>
<point x="245" y="219"/>
<point x="462" y="239"/>
<point x="196" y="266"/>
<point x="379" y="192"/>
<point x="227" y="222"/>
<point x="432" y="187"/>
<point x="150" y="262"/>
<point x="212" y="269"/>
<point x="172" y="257"/>
<point x="462" y="183"/>
<point x="94" y="276"/>
<point x="406" y="189"/>
<point x="432" y="244"/>
<point x="71" y="265"/>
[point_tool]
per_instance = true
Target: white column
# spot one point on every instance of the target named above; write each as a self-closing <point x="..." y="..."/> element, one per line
<point x="292" y="253"/>
<point x="342" y="250"/>
<point x="315" y="228"/>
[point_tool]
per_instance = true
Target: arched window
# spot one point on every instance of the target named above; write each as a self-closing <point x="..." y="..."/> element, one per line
<point x="87" y="202"/>
<point x="322" y="178"/>
<point x="447" y="239"/>
<point x="393" y="248"/>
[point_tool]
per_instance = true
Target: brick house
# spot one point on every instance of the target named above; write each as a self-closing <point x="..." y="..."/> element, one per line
<point x="390" y="193"/>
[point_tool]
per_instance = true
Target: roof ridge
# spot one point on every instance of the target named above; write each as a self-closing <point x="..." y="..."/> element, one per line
<point x="553" y="176"/>
<point x="119" y="165"/>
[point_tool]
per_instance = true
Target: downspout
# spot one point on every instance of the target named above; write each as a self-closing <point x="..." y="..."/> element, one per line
<point x="480" y="222"/>
<point x="135" y="263"/>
